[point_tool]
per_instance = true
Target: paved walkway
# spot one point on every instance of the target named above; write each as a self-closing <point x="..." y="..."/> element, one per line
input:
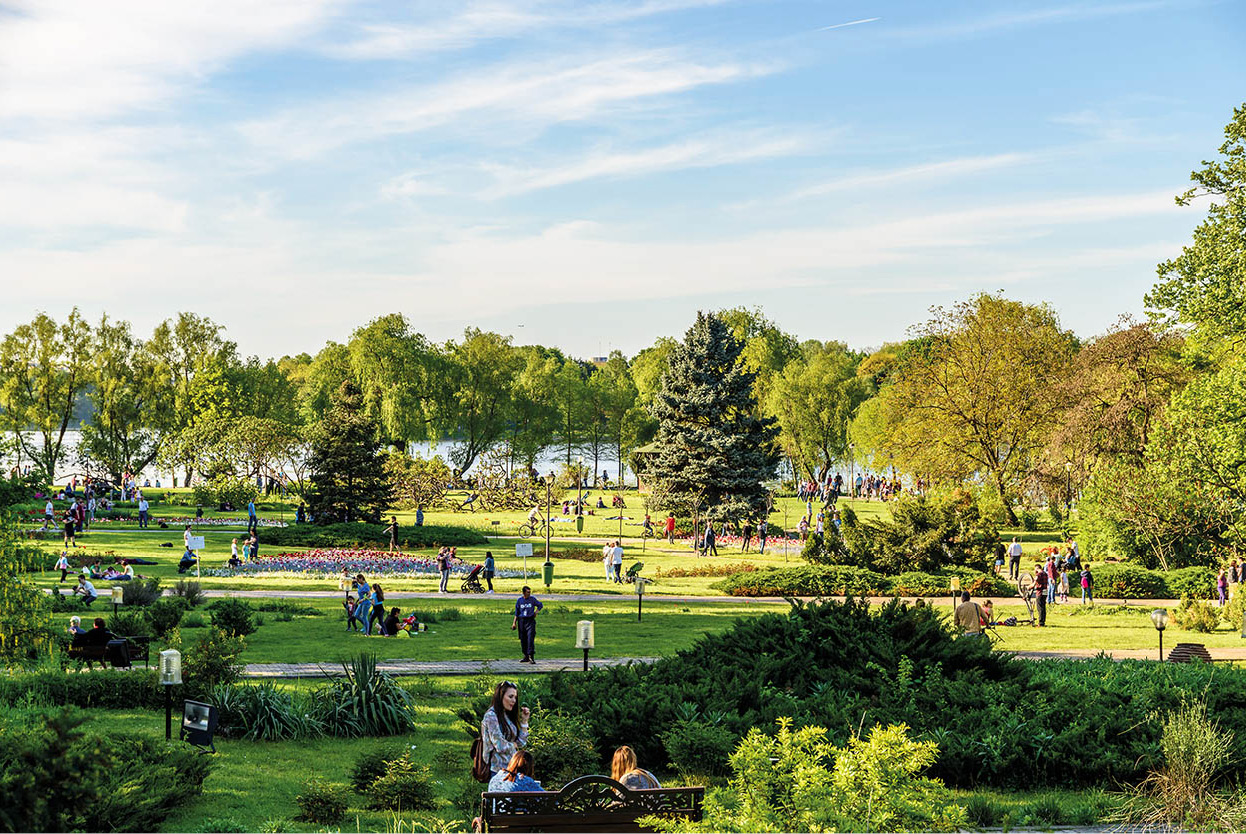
<point x="439" y="667"/>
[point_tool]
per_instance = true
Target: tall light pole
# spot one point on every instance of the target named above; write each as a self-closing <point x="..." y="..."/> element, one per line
<point x="1068" y="491"/>
<point x="579" y="502"/>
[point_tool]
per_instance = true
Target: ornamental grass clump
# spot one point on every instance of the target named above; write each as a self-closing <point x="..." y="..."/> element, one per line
<point x="366" y="702"/>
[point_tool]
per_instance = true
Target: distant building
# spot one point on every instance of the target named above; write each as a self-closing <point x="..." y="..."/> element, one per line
<point x="599" y="360"/>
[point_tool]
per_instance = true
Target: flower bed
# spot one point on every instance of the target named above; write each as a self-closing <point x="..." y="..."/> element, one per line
<point x="329" y="563"/>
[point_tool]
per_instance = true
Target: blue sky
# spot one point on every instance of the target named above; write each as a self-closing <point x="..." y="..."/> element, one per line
<point x="589" y="174"/>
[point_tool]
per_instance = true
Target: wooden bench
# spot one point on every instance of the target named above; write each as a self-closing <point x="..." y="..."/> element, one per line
<point x="90" y="653"/>
<point x="590" y="803"/>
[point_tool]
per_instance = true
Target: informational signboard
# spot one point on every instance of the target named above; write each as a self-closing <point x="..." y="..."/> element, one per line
<point x="196" y="542"/>
<point x="524" y="550"/>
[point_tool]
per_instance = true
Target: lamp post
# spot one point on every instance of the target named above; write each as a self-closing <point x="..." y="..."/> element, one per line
<point x="549" y="486"/>
<point x="955" y="583"/>
<point x="1160" y="617"/>
<point x="584" y="638"/>
<point x="170" y="676"/>
<point x="852" y="460"/>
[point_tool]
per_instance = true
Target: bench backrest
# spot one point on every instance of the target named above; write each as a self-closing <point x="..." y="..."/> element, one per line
<point x="590" y="803"/>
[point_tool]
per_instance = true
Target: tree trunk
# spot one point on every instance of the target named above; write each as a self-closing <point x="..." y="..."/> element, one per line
<point x="1009" y="513"/>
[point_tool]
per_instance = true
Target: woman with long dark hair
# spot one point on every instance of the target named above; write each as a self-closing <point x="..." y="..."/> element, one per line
<point x="516" y="776"/>
<point x="505" y="727"/>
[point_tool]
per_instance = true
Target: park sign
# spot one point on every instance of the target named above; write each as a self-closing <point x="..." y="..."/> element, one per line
<point x="523" y="549"/>
<point x="195" y="542"/>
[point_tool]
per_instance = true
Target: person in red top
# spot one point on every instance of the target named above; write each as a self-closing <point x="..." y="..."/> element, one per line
<point x="670" y="528"/>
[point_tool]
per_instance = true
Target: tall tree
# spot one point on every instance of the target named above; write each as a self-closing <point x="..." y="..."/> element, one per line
<point x="1206" y="285"/>
<point x="619" y="412"/>
<point x="534" y="411"/>
<point x="184" y="349"/>
<point x="570" y="386"/>
<point x="714" y="451"/>
<point x="480" y="373"/>
<point x="347" y="469"/>
<point x="975" y="397"/>
<point x="814" y="399"/>
<point x="401" y="377"/>
<point x="126" y="390"/>
<point x="44" y="369"/>
<point x="767" y="349"/>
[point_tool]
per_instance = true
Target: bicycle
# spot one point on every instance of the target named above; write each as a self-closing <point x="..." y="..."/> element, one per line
<point x="527" y="530"/>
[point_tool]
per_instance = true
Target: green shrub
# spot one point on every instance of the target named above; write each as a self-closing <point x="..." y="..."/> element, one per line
<point x="236" y="492"/>
<point x="699" y="747"/>
<point x="372" y="764"/>
<point x="188" y="590"/>
<point x="321" y="803"/>
<point x="840" y="580"/>
<point x="982" y="812"/>
<point x="139" y="592"/>
<point x="117" y="782"/>
<point x="362" y="534"/>
<point x="563" y="748"/>
<point x="212" y="661"/>
<point x="438" y="615"/>
<point x="1029" y="520"/>
<point x="1125" y="581"/>
<point x="1199" y="583"/>
<point x="103" y="689"/>
<point x="925" y="533"/>
<point x="224" y="825"/>
<point x="284" y="607"/>
<point x="193" y="619"/>
<point x="1196" y="615"/>
<point x="365" y="702"/>
<point x="165" y="614"/>
<point x="405" y="787"/>
<point x="234" y="617"/>
<point x="1234" y="609"/>
<point x="130" y="622"/>
<point x="265" y="712"/>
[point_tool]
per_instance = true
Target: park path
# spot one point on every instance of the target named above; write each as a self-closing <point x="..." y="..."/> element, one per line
<point x="409" y="667"/>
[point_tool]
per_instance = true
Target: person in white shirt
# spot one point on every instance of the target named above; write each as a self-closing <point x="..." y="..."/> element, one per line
<point x="617" y="558"/>
<point x="1014" y="559"/>
<point x="142" y="512"/>
<point x="607" y="559"/>
<point x="49" y="514"/>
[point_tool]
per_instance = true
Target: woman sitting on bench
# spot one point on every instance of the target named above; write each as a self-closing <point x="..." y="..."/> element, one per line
<point x="623" y="770"/>
<point x="517" y="776"/>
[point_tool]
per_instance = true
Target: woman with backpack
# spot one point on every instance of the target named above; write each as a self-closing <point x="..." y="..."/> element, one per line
<point x="1088" y="585"/>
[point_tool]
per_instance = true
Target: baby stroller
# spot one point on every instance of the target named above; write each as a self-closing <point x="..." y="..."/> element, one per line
<point x="471" y="585"/>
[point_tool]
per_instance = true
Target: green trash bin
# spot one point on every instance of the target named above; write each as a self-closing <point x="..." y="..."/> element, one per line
<point x="547" y="573"/>
<point x="579" y="524"/>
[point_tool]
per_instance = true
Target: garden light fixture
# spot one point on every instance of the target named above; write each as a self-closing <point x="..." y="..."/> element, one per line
<point x="1160" y="617"/>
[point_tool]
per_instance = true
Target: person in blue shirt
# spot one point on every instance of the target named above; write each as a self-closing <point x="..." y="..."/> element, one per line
<point x="419" y="516"/>
<point x="363" y="608"/>
<point x="517" y="776"/>
<point x="526" y="608"/>
<point x="252" y="521"/>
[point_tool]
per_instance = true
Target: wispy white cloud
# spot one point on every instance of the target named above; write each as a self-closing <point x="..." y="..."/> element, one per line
<point x="1013" y="19"/>
<point x="849" y="23"/>
<point x="64" y="59"/>
<point x="475" y="22"/>
<point x="523" y="92"/>
<point x="698" y="152"/>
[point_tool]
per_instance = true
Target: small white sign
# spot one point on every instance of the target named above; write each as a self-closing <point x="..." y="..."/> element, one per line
<point x="196" y="542"/>
<point x="523" y="549"/>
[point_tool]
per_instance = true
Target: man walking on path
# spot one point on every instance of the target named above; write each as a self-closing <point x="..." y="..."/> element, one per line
<point x="1014" y="559"/>
<point x="526" y="608"/>
<point x="607" y="559"/>
<point x="142" y="513"/>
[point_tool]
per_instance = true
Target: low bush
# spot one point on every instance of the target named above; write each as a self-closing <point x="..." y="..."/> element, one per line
<point x="130" y="622"/>
<point x="103" y="689"/>
<point x="211" y="661"/>
<point x="699" y="747"/>
<point x="1029" y="519"/>
<point x="140" y="591"/>
<point x="365" y="702"/>
<point x="234" y="617"/>
<point x="54" y="776"/>
<point x="438" y="615"/>
<point x="709" y="569"/>
<point x="1234" y="609"/>
<point x="579" y="554"/>
<point x="1124" y="581"/>
<point x="1199" y="583"/>
<point x="321" y="803"/>
<point x="283" y="607"/>
<point x="165" y="614"/>
<point x="372" y="764"/>
<point x="265" y="712"/>
<point x="188" y="590"/>
<point x="563" y="748"/>
<point x="362" y="534"/>
<point x="1196" y="615"/>
<point x="404" y="787"/>
<point x="839" y="580"/>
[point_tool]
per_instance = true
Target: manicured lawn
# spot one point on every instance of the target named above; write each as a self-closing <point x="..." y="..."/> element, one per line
<point x="484" y="632"/>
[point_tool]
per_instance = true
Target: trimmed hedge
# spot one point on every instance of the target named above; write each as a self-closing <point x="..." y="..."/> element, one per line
<point x="107" y="689"/>
<point x="841" y="580"/>
<point x="1122" y="581"/>
<point x="365" y="535"/>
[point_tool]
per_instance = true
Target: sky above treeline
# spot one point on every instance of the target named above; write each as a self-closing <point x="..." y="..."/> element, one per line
<point x="589" y="174"/>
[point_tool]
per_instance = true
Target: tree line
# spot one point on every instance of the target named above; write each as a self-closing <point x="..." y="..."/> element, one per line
<point x="1144" y="423"/>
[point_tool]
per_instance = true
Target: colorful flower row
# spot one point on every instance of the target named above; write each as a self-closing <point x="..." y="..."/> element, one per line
<point x="333" y="562"/>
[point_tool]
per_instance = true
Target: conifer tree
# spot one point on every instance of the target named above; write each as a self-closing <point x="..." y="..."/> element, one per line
<point x="714" y="449"/>
<point x="348" y="472"/>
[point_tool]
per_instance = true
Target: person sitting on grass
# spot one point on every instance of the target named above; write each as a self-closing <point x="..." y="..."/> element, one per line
<point x="623" y="769"/>
<point x="389" y="628"/>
